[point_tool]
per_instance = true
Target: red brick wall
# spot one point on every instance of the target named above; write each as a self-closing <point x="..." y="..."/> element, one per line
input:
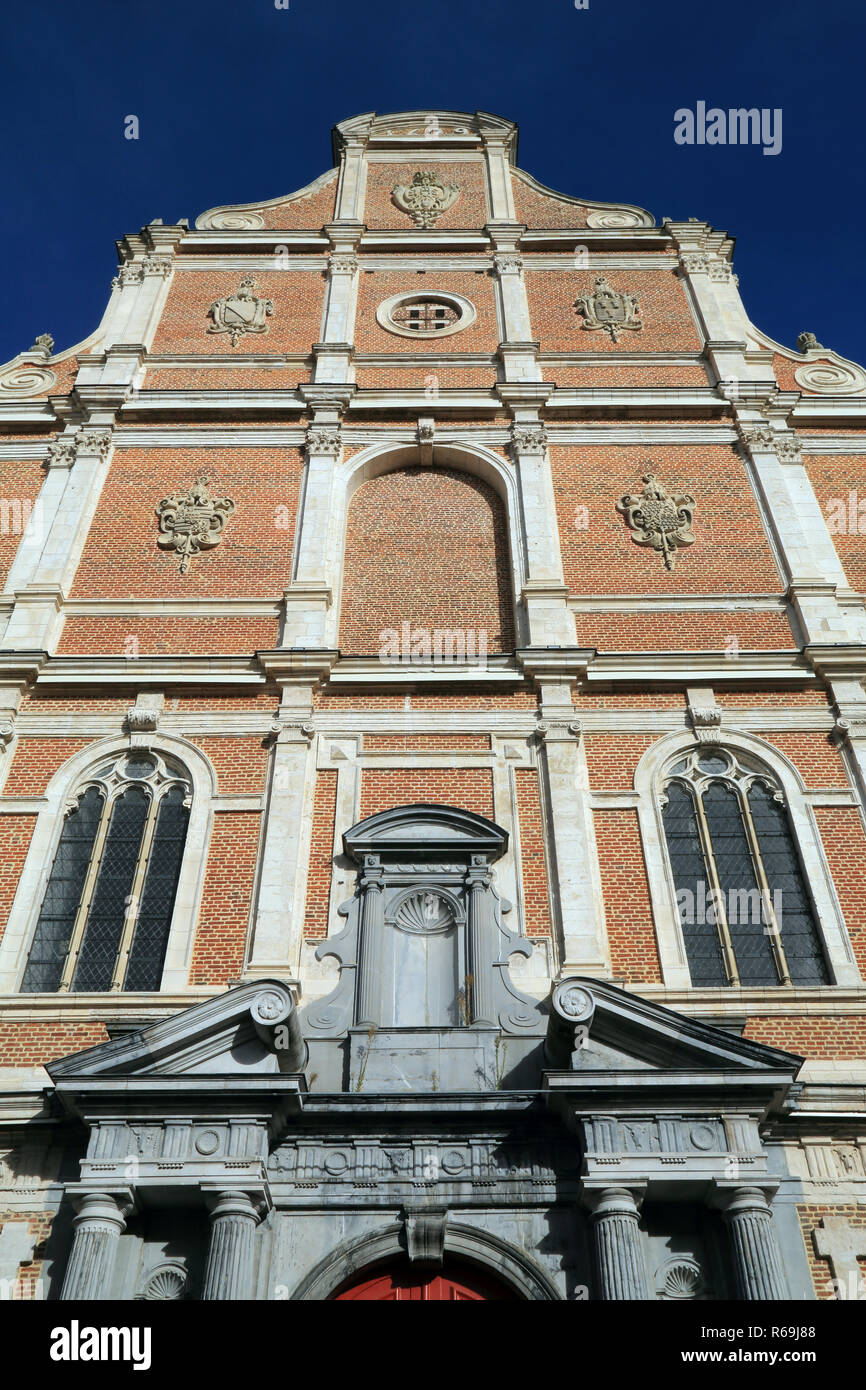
<point x="426" y="379"/>
<point x="668" y="325"/>
<point x="630" y="929"/>
<point x="649" y="632"/>
<point x="470" y="788"/>
<point x="321" y="854"/>
<point x="122" y="559"/>
<point x="533" y="865"/>
<point x="426" y="743"/>
<point x="297" y="296"/>
<point x="730" y="553"/>
<point x="428" y="547"/>
<point x="36" y="761"/>
<point x="240" y="763"/>
<point x="480" y="336"/>
<point x="175" y="636"/>
<point x="844" y="842"/>
<point x="612" y="758"/>
<point x="816" y="757"/>
<point x="20" y="485"/>
<point x="16" y="833"/>
<point x="35" y="1044"/>
<point x="834" y="478"/>
<point x="220" y="939"/>
<point x="312" y="210"/>
<point x="470" y="209"/>
<point x="810" y="1035"/>
<point x="540" y="210"/>
<point x="444" y="699"/>
<point x="811" y="1215"/>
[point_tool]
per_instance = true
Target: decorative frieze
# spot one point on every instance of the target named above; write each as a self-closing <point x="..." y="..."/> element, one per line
<point x="242" y="312"/>
<point x="425" y="198"/>
<point x="192" y="521"/>
<point x="608" y="310"/>
<point x="658" y="518"/>
<point x="381" y="1163"/>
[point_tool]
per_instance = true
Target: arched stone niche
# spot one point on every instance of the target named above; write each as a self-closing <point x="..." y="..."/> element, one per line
<point x="424" y="996"/>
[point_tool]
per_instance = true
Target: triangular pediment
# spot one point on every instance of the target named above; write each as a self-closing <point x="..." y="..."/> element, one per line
<point x="218" y="1037"/>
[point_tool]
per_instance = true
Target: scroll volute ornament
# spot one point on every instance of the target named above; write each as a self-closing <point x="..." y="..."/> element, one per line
<point x="658" y="518"/>
<point x="192" y="521"/>
<point x="425" y="198"/>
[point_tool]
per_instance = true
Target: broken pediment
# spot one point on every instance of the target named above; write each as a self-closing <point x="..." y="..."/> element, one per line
<point x="237" y="1033"/>
<point x="609" y="1046"/>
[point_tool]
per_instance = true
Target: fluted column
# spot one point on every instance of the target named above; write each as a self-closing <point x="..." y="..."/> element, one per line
<point x="755" y="1249"/>
<point x="100" y="1221"/>
<point x="618" y="1253"/>
<point x="229" y="1272"/>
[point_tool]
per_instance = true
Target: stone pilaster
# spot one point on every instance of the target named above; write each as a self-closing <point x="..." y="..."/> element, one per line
<point x="229" y="1272"/>
<point x="278" y="930"/>
<point x="573" y="863"/>
<point x="754" y="1248"/>
<point x="98" y="1226"/>
<point x="481" y="1005"/>
<point x="369" y="1003"/>
<point x="35" y="621"/>
<point x="616" y="1237"/>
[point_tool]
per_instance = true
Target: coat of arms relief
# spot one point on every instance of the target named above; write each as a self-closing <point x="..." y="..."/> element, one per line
<point x="241" y="312"/>
<point x="425" y="198"/>
<point x="658" y="518"/>
<point x="607" y="309"/>
<point x="192" y="521"/>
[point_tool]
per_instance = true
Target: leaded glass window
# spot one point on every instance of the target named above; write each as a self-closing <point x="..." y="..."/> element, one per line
<point x="107" y="909"/>
<point x="746" y="914"/>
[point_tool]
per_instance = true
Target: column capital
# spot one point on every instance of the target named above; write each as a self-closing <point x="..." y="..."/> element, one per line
<point x="107" y="1204"/>
<point x="603" y="1199"/>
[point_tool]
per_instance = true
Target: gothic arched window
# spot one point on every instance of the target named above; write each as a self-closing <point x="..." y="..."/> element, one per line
<point x="106" y="913"/>
<point x="746" y="914"/>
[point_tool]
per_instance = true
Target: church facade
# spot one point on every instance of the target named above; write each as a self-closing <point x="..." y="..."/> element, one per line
<point x="432" y="759"/>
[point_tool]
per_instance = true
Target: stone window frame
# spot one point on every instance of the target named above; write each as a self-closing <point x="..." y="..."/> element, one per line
<point x="68" y="780"/>
<point x="649" y="778"/>
<point x="465" y="309"/>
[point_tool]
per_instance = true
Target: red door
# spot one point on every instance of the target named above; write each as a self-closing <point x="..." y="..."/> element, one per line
<point x="454" y="1284"/>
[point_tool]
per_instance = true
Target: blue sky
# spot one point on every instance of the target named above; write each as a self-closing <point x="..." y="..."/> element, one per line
<point x="235" y="103"/>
